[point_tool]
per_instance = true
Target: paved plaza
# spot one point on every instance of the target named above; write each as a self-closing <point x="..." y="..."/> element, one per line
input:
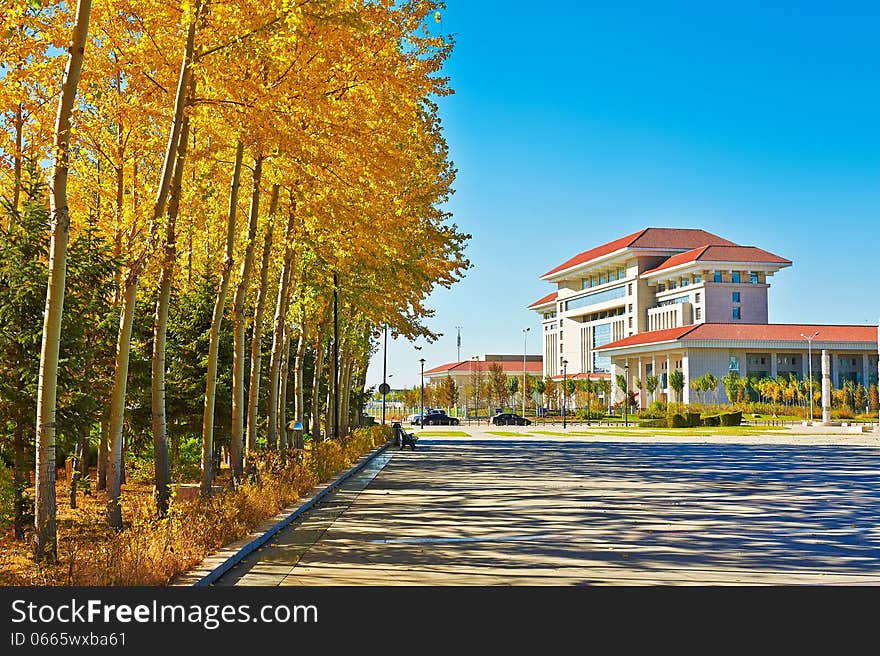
<point x="536" y="509"/>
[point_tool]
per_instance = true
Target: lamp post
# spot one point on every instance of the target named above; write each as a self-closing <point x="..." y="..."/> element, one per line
<point x="626" y="394"/>
<point x="564" y="387"/>
<point x="422" y="397"/>
<point x="525" y="332"/>
<point x="384" y="374"/>
<point x="810" y="363"/>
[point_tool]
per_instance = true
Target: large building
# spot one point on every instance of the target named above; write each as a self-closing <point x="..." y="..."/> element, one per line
<point x="665" y="299"/>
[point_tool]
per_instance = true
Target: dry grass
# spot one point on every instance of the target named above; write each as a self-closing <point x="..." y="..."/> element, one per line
<point x="151" y="551"/>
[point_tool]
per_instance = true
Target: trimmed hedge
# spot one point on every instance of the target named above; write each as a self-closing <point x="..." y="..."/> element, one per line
<point x="652" y="423"/>
<point x="711" y="420"/>
<point x="693" y="420"/>
<point x="677" y="421"/>
<point x="731" y="418"/>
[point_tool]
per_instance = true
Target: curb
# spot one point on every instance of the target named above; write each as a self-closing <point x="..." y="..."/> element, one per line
<point x="265" y="533"/>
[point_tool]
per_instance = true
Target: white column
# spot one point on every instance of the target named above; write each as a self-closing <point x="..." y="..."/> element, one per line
<point x="668" y="371"/>
<point x="641" y="377"/>
<point x="686" y="392"/>
<point x="826" y="387"/>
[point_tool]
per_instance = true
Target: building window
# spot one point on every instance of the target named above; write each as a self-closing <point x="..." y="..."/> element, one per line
<point x="630" y="322"/>
<point x="736" y="314"/>
<point x="697" y="297"/>
<point x="753" y="278"/>
<point x="736" y="297"/>
<point x="603" y="279"/>
<point x="685" y="282"/>
<point x="717" y="277"/>
<point x="630" y="307"/>
<point x="672" y="284"/>
<point x="661" y="287"/>
<point x="734" y="276"/>
<point x="698" y="279"/>
<point x="698" y="313"/>
<point x="630" y="289"/>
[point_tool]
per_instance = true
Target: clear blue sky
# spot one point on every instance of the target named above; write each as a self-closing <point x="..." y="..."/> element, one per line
<point x="574" y="123"/>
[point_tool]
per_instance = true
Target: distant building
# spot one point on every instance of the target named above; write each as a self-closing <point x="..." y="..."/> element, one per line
<point x="666" y="299"/>
<point x="461" y="372"/>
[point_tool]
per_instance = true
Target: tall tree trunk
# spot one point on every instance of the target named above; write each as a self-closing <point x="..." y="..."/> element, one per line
<point x="84" y="460"/>
<point x="281" y="305"/>
<point x="282" y="390"/>
<point x="17" y="161"/>
<point x="162" y="472"/>
<point x="19" y="474"/>
<point x="117" y="403"/>
<point x="45" y="547"/>
<point x="345" y="391"/>
<point x="115" y="464"/>
<point x="216" y="320"/>
<point x="299" y="412"/>
<point x="256" y="339"/>
<point x="316" y="386"/>
<point x="239" y="319"/>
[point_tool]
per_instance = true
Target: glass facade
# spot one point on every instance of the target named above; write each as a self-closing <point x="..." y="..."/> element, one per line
<point x="601" y="336"/>
<point x="598" y="297"/>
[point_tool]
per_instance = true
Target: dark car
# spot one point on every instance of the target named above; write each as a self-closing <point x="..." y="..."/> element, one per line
<point x="510" y="419"/>
<point x="440" y="418"/>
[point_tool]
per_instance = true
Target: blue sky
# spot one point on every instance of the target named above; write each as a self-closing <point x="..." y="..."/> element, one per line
<point x="579" y="122"/>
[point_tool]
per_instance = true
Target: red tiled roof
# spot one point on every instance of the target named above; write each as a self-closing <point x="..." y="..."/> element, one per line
<point x="773" y="332"/>
<point x="664" y="238"/>
<point x="467" y="366"/>
<point x="721" y="254"/>
<point x="784" y="332"/>
<point x="652" y="337"/>
<point x="544" y="301"/>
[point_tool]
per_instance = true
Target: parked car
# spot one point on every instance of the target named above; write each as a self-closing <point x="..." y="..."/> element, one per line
<point x="510" y="419"/>
<point x="440" y="418"/>
<point x="413" y="419"/>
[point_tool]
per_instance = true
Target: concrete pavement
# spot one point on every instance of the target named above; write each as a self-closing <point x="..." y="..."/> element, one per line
<point x="593" y="509"/>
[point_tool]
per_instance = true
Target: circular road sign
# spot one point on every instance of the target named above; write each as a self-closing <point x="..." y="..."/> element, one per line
<point x="384" y="388"/>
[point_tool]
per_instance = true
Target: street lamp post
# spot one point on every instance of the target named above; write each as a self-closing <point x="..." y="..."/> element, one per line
<point x="525" y="336"/>
<point x="810" y="364"/>
<point x="564" y="388"/>
<point x="384" y="374"/>
<point x="626" y="394"/>
<point x="422" y="396"/>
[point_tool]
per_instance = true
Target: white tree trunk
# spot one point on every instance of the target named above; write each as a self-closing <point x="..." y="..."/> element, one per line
<point x="236" y="437"/>
<point x="45" y="540"/>
<point x="256" y="338"/>
<point x="214" y="338"/>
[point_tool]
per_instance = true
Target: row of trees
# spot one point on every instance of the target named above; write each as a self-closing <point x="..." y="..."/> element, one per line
<point x="495" y="388"/>
<point x="252" y="190"/>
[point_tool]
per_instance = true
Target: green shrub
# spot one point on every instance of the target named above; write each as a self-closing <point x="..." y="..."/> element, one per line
<point x="677" y="420"/>
<point x="652" y="423"/>
<point x="655" y="410"/>
<point x="711" y="420"/>
<point x="693" y="419"/>
<point x="731" y="418"/>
